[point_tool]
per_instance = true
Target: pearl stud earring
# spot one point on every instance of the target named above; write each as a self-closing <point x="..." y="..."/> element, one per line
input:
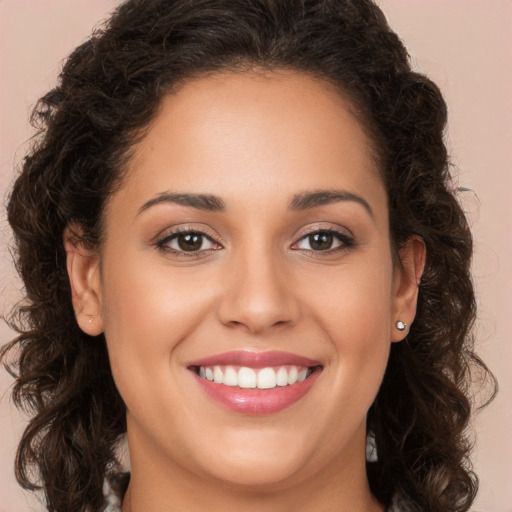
<point x="401" y="326"/>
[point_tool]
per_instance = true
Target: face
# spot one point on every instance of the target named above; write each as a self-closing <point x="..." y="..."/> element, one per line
<point x="249" y="244"/>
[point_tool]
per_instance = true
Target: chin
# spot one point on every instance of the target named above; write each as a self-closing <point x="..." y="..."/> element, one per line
<point x="262" y="464"/>
<point x="261" y="475"/>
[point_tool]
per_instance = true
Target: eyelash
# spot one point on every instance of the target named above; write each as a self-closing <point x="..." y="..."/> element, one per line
<point x="163" y="243"/>
<point x="346" y="242"/>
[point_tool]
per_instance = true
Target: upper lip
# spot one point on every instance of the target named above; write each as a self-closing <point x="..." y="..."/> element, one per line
<point x="255" y="359"/>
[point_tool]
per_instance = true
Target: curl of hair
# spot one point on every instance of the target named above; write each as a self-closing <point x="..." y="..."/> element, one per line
<point x="108" y="92"/>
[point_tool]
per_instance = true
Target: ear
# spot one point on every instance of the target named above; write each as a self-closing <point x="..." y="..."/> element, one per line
<point x="406" y="279"/>
<point x="83" y="266"/>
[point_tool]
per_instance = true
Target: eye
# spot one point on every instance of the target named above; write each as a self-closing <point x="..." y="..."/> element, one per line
<point x="187" y="242"/>
<point x="324" y="240"/>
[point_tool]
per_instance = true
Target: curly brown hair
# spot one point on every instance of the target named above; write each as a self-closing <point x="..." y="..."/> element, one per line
<point x="108" y="92"/>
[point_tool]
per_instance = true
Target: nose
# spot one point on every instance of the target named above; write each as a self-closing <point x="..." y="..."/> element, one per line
<point x="258" y="294"/>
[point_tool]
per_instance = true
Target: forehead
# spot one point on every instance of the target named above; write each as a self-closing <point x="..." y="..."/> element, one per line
<point x="257" y="134"/>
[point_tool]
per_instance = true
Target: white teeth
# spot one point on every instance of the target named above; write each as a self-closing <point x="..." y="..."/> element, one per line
<point x="292" y="375"/>
<point x="230" y="377"/>
<point x="267" y="378"/>
<point x="282" y="377"/>
<point x="249" y="378"/>
<point x="246" y="378"/>
<point x="302" y="375"/>
<point x="218" y="376"/>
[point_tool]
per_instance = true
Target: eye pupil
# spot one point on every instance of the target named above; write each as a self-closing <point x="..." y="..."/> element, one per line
<point x="190" y="241"/>
<point x="321" y="241"/>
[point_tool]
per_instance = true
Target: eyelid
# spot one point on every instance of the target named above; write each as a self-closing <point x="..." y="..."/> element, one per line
<point x="169" y="234"/>
<point x="344" y="235"/>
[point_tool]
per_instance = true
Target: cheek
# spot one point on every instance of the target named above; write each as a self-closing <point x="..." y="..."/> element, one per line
<point x="146" y="314"/>
<point x="354" y="303"/>
<point x="353" y="311"/>
<point x="362" y="345"/>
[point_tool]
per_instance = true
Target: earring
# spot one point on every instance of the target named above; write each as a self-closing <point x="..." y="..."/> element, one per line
<point x="401" y="326"/>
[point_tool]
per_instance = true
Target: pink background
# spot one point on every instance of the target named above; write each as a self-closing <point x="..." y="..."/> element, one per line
<point x="464" y="45"/>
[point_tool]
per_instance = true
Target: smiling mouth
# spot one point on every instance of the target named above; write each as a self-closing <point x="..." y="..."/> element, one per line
<point x="256" y="382"/>
<point x="245" y="377"/>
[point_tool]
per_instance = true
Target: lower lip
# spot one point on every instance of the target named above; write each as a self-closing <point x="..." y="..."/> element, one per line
<point x="257" y="401"/>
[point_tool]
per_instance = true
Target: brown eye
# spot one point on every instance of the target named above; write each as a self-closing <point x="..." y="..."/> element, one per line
<point x="321" y="241"/>
<point x="190" y="241"/>
<point x="324" y="240"/>
<point x="187" y="242"/>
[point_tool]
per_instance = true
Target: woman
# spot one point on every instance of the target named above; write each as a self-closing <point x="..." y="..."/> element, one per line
<point x="242" y="249"/>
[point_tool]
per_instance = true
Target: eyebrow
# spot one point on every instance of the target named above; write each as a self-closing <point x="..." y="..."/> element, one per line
<point x="302" y="201"/>
<point x="199" y="201"/>
<point x="306" y="200"/>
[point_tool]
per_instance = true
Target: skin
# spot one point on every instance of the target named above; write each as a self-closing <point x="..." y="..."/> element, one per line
<point x="255" y="141"/>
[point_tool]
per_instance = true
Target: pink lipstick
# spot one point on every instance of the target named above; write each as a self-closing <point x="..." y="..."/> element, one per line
<point x="256" y="382"/>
